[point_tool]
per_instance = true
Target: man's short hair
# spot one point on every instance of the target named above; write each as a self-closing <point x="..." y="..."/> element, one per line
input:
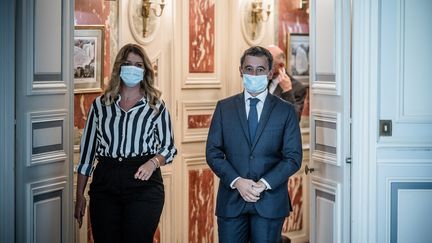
<point x="257" y="51"/>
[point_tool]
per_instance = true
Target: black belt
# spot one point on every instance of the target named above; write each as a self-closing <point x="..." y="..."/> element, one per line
<point x="138" y="160"/>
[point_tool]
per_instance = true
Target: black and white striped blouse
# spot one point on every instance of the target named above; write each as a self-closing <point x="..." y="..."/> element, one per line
<point x="112" y="132"/>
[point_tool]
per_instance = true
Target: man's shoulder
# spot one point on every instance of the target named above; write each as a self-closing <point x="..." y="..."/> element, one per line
<point x="231" y="99"/>
<point x="281" y="102"/>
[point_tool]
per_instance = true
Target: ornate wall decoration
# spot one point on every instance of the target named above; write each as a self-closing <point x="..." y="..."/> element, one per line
<point x="201" y="36"/>
<point x="253" y="30"/>
<point x="136" y="23"/>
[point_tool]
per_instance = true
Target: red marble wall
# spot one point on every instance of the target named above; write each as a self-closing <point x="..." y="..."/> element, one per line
<point x="291" y="19"/>
<point x="295" y="189"/>
<point x="96" y="12"/>
<point x="201" y="36"/>
<point x="201" y="205"/>
<point x="91" y="12"/>
<point x="199" y="121"/>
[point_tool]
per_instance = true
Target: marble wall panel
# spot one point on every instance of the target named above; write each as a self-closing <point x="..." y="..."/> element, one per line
<point x="291" y="19"/>
<point x="96" y="12"/>
<point x="199" y="121"/>
<point x="295" y="188"/>
<point x="201" y="36"/>
<point x="201" y="205"/>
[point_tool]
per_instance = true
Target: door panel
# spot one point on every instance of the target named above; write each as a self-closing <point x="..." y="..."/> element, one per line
<point x="43" y="121"/>
<point x="330" y="121"/>
<point x="404" y="157"/>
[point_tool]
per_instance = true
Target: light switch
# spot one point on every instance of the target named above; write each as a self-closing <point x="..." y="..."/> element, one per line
<point x="385" y="128"/>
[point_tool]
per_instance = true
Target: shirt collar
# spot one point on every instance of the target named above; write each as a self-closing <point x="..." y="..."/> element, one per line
<point x="261" y="96"/>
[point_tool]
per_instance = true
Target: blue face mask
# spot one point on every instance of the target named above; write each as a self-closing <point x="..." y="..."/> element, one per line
<point x="255" y="84"/>
<point x="131" y="75"/>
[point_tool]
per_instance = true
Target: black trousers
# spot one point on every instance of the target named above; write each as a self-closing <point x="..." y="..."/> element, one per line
<point x="122" y="208"/>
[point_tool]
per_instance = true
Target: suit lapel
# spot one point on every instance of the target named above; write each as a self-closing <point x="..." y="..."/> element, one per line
<point x="265" y="115"/>
<point x="241" y="111"/>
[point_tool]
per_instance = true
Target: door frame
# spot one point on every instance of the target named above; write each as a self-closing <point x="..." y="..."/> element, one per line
<point x="7" y="121"/>
<point x="364" y="118"/>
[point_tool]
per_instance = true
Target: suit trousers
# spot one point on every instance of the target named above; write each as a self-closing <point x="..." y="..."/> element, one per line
<point x="249" y="226"/>
<point x="122" y="208"/>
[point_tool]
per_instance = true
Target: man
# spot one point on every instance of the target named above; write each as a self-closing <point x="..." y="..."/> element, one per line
<point x="253" y="146"/>
<point x="283" y="85"/>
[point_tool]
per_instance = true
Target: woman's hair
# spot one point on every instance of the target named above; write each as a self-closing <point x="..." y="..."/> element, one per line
<point x="146" y="85"/>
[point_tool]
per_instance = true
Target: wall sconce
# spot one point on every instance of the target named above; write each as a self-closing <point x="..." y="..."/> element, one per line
<point x="258" y="16"/>
<point x="146" y="6"/>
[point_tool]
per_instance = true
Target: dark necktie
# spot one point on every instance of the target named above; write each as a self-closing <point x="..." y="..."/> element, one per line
<point x="252" y="117"/>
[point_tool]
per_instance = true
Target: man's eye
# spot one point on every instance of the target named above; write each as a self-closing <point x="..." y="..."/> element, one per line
<point x="140" y="65"/>
<point x="260" y="70"/>
<point x="126" y="64"/>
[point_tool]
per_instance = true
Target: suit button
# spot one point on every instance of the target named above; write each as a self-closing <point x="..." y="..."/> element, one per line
<point x="251" y="157"/>
<point x="247" y="175"/>
<point x="120" y="159"/>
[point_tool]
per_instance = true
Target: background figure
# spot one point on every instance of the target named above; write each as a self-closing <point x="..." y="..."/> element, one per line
<point x="253" y="146"/>
<point x="129" y="131"/>
<point x="283" y="85"/>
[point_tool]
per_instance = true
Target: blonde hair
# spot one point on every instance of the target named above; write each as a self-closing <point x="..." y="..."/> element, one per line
<point x="147" y="84"/>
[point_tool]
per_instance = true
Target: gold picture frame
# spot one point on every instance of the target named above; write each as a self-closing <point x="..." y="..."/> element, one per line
<point x="297" y="56"/>
<point x="88" y="58"/>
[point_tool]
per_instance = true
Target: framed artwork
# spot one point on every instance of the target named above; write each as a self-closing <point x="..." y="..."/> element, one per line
<point x="298" y="56"/>
<point x="88" y="58"/>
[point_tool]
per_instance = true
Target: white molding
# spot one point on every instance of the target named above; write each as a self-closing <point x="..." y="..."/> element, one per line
<point x="365" y="60"/>
<point x="195" y="161"/>
<point x="167" y="219"/>
<point x="51" y="156"/>
<point x="41" y="187"/>
<point x="324" y="157"/>
<point x="188" y="108"/>
<point x="43" y="87"/>
<point x="328" y="87"/>
<point x="333" y="188"/>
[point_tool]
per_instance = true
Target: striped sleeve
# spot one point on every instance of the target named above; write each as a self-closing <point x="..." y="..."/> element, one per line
<point x="89" y="143"/>
<point x="166" y="136"/>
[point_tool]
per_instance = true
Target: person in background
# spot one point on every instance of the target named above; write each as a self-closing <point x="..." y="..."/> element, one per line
<point x="129" y="132"/>
<point x="283" y="85"/>
<point x="253" y="146"/>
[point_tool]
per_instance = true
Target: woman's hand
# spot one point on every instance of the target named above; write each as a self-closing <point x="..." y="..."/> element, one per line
<point x="80" y="207"/>
<point x="145" y="171"/>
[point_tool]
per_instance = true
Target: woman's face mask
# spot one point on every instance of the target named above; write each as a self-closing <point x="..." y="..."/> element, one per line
<point x="131" y="75"/>
<point x="255" y="84"/>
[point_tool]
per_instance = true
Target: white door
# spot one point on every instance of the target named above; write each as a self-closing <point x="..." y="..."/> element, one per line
<point x="44" y="117"/>
<point x="330" y="121"/>
<point x="404" y="143"/>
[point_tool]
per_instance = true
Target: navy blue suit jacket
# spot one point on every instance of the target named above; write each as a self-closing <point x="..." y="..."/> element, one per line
<point x="275" y="154"/>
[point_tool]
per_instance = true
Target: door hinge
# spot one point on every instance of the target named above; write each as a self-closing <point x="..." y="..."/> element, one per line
<point x="348" y="160"/>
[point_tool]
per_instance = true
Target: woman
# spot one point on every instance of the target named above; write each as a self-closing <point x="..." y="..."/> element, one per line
<point x="129" y="131"/>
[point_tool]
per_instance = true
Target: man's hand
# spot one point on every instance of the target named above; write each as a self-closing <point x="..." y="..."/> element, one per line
<point x="284" y="80"/>
<point x="248" y="189"/>
<point x="261" y="187"/>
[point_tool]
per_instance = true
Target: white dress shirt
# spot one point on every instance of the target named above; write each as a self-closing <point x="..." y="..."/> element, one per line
<point x="260" y="105"/>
